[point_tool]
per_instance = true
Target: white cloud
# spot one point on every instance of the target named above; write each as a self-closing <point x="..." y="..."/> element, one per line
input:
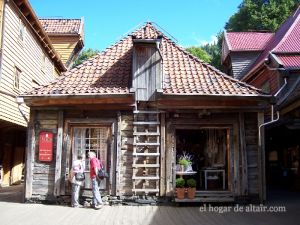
<point x="213" y="40"/>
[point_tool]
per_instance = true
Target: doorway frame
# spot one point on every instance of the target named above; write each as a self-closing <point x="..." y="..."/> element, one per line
<point x="173" y="124"/>
<point x="112" y="151"/>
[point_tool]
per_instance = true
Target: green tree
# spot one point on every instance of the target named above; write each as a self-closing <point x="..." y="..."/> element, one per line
<point x="268" y="15"/>
<point x="199" y="53"/>
<point x="84" y="55"/>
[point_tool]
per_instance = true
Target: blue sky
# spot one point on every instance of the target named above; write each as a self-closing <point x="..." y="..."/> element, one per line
<point x="191" y="22"/>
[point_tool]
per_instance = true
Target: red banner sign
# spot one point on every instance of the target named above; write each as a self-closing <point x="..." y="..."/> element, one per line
<point x="46" y="146"/>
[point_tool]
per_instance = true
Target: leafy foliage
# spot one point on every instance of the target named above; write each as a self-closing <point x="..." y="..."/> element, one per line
<point x="84" y="55"/>
<point x="180" y="182"/>
<point x="261" y="15"/>
<point x="191" y="183"/>
<point x="199" y="53"/>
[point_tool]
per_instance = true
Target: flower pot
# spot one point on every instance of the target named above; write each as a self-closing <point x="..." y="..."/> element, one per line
<point x="180" y="193"/>
<point x="191" y="193"/>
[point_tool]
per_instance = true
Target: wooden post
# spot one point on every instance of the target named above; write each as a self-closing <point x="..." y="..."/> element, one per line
<point x="118" y="154"/>
<point x="236" y="173"/>
<point x="30" y="150"/>
<point x="243" y="156"/>
<point x="162" y="155"/>
<point x="57" y="179"/>
<point x="261" y="159"/>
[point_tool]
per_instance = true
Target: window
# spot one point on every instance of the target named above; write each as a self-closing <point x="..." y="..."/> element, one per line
<point x="21" y="30"/>
<point x="17" y="78"/>
<point x="86" y="139"/>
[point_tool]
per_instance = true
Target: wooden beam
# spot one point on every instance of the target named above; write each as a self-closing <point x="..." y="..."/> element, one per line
<point x="57" y="179"/>
<point x="119" y="154"/>
<point x="261" y="160"/>
<point x="162" y="154"/>
<point x="243" y="156"/>
<point x="30" y="149"/>
<point x="236" y="159"/>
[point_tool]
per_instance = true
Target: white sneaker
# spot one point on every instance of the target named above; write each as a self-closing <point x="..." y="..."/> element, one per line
<point x="98" y="206"/>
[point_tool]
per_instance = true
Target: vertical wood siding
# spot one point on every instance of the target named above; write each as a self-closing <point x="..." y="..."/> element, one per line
<point x="26" y="55"/>
<point x="146" y="72"/>
<point x="126" y="172"/>
<point x="43" y="173"/>
<point x="251" y="135"/>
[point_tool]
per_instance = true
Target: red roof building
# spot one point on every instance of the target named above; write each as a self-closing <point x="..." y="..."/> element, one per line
<point x="272" y="62"/>
<point x="131" y="104"/>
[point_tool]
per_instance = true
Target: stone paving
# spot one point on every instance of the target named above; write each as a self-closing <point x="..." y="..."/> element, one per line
<point x="12" y="213"/>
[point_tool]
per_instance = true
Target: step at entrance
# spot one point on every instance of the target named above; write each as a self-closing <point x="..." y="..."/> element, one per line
<point x="146" y="151"/>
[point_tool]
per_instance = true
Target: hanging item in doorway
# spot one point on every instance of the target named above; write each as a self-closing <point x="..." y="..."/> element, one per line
<point x="45" y="146"/>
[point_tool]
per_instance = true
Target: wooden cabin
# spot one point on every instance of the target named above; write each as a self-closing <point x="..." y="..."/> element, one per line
<point x="140" y="105"/>
<point x="275" y="69"/>
<point x="27" y="60"/>
<point x="67" y="37"/>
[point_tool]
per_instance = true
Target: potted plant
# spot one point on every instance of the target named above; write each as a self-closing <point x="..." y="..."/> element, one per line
<point x="185" y="161"/>
<point x="191" y="191"/>
<point x="180" y="190"/>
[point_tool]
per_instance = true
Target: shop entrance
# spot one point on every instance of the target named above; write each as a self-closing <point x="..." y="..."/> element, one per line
<point x="207" y="150"/>
<point x="97" y="139"/>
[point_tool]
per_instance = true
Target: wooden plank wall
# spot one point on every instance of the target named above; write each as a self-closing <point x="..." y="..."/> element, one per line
<point x="241" y="62"/>
<point x="125" y="186"/>
<point x="43" y="173"/>
<point x="27" y="55"/>
<point x="251" y="135"/>
<point x="147" y="72"/>
<point x="64" y="45"/>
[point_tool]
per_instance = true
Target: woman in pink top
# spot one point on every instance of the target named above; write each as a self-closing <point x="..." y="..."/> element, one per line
<point x="95" y="165"/>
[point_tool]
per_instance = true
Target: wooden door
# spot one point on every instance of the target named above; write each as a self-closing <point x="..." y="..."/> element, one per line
<point x="146" y="70"/>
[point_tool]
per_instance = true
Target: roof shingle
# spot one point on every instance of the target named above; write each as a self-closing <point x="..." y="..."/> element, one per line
<point x="61" y="26"/>
<point x="251" y="41"/>
<point x="110" y="72"/>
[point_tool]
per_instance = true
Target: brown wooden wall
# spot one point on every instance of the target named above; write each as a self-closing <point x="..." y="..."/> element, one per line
<point x="251" y="135"/>
<point x="43" y="173"/>
<point x="267" y="76"/>
<point x="244" y="149"/>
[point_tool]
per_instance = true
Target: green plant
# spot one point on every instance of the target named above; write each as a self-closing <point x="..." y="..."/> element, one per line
<point x="180" y="182"/>
<point x="191" y="183"/>
<point x="184" y="162"/>
<point x="185" y="159"/>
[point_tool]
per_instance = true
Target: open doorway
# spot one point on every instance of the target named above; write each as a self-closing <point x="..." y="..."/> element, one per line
<point x="208" y="150"/>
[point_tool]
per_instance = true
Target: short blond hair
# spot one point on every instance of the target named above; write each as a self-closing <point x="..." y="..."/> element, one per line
<point x="92" y="154"/>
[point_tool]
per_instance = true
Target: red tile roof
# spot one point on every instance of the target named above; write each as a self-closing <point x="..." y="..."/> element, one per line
<point x="61" y="26"/>
<point x="247" y="41"/>
<point x="289" y="61"/>
<point x="110" y="72"/>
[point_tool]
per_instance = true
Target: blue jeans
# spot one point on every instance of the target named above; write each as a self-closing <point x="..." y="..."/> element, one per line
<point x="75" y="194"/>
<point x="96" y="193"/>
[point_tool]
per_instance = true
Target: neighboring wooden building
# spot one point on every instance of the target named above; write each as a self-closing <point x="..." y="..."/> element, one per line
<point x="67" y="37"/>
<point x="139" y="105"/>
<point x="275" y="70"/>
<point x="27" y="59"/>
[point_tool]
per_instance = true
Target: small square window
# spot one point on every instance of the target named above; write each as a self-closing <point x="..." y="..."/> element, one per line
<point x="17" y="78"/>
